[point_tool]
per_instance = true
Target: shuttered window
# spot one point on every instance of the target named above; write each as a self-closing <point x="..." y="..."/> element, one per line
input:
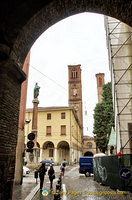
<point x="63" y="130"/>
<point x="63" y="115"/>
<point x="48" y="130"/>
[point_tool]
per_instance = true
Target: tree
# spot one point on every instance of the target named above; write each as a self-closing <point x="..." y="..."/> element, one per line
<point x="103" y="119"/>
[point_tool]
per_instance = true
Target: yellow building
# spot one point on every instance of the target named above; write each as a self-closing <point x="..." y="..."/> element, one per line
<point x="59" y="135"/>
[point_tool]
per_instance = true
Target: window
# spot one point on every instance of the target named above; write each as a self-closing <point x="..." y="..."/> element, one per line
<point x="50" y="152"/>
<point x="89" y="144"/>
<point x="48" y="116"/>
<point x="74" y="74"/>
<point x="100" y="81"/>
<point x="63" y="130"/>
<point x="48" y="130"/>
<point x="63" y="115"/>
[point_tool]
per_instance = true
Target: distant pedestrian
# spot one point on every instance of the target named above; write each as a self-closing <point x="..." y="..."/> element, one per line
<point x="42" y="170"/>
<point x="51" y="174"/>
<point x="62" y="168"/>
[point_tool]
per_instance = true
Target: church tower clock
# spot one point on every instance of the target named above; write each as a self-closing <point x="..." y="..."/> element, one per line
<point x="75" y="90"/>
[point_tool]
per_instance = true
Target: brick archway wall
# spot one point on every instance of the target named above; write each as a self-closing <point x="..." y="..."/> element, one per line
<point x="24" y="21"/>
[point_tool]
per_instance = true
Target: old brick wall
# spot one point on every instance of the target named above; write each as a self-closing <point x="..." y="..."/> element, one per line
<point x="10" y="85"/>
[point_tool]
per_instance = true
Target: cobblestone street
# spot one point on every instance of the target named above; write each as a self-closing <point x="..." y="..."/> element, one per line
<point x="78" y="187"/>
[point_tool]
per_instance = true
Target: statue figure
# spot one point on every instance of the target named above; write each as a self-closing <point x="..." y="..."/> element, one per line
<point x="36" y="91"/>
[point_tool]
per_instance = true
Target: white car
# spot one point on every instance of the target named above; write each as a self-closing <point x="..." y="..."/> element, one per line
<point x="26" y="170"/>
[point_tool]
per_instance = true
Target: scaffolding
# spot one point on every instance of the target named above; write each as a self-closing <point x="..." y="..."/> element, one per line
<point x="119" y="43"/>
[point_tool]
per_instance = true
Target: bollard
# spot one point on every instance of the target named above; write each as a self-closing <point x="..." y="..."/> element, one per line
<point x="57" y="187"/>
<point x="60" y="178"/>
<point x="36" y="175"/>
<point x="57" y="196"/>
<point x="59" y="183"/>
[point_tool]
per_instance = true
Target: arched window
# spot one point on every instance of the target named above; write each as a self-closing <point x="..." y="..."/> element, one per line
<point x="74" y="74"/>
<point x="89" y="145"/>
<point x="100" y="81"/>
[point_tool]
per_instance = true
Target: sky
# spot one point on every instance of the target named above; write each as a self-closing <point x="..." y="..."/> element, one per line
<point x="79" y="39"/>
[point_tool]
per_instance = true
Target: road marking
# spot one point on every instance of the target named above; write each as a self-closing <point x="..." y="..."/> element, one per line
<point x="64" y="191"/>
<point x="71" y="170"/>
<point x="64" y="186"/>
<point x="32" y="193"/>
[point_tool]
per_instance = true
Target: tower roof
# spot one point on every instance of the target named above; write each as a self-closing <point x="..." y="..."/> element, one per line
<point x="112" y="139"/>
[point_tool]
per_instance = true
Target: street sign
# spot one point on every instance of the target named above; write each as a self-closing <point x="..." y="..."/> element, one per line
<point x="31" y="136"/>
<point x="30" y="144"/>
<point x="125" y="173"/>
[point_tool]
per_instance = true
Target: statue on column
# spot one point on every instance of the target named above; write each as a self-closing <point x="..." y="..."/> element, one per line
<point x="36" y="91"/>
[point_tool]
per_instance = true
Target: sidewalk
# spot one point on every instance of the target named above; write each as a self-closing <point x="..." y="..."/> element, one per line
<point x="27" y="190"/>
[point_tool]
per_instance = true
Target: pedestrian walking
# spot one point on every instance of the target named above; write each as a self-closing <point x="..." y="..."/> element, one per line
<point x="51" y="174"/>
<point x="62" y="168"/>
<point x="42" y="170"/>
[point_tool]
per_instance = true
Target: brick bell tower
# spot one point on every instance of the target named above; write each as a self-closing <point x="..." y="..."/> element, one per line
<point x="100" y="82"/>
<point x="75" y="90"/>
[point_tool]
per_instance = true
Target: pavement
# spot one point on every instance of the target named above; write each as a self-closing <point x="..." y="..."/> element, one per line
<point x="27" y="190"/>
<point x="30" y="186"/>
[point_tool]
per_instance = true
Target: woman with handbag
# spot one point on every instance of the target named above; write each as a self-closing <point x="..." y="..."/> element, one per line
<point x="51" y="174"/>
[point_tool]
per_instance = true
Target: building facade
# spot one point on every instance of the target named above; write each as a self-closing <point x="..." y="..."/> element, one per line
<point x="58" y="135"/>
<point x="119" y="43"/>
<point x="75" y="90"/>
<point x="21" y="124"/>
<point x="89" y="146"/>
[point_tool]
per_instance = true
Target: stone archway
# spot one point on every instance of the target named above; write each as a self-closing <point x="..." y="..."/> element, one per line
<point x="55" y="11"/>
<point x="63" y="151"/>
<point x="47" y="150"/>
<point x="21" y="24"/>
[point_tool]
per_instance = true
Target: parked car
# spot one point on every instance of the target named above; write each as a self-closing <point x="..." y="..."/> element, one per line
<point x="26" y="170"/>
<point x="86" y="165"/>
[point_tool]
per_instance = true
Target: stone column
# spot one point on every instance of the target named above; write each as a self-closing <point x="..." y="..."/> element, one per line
<point x="34" y="125"/>
<point x="71" y="155"/>
<point x="55" y="155"/>
<point x="41" y="154"/>
<point x="34" y="120"/>
<point x="11" y="77"/>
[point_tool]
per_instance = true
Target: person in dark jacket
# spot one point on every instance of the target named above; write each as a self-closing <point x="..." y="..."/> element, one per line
<point x="62" y="168"/>
<point x="42" y="170"/>
<point x="51" y="174"/>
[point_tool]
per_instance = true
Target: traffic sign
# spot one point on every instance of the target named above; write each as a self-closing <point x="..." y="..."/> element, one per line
<point x="125" y="173"/>
<point x="30" y="150"/>
<point x="31" y="136"/>
<point x="30" y="144"/>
